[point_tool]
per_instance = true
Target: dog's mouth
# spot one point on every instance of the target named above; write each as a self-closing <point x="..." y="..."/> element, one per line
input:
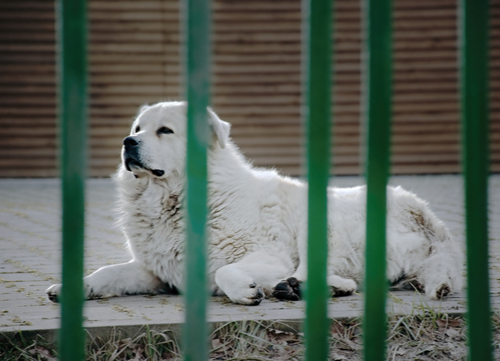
<point x="132" y="163"/>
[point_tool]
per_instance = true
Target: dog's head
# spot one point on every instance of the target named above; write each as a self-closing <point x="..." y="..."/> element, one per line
<point x="157" y="142"/>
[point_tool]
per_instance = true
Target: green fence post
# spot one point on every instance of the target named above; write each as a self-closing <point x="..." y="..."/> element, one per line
<point x="378" y="16"/>
<point x="318" y="21"/>
<point x="72" y="94"/>
<point x="474" y="112"/>
<point x="197" y="31"/>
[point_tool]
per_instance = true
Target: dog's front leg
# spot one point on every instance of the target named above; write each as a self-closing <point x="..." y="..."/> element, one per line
<point x="238" y="285"/>
<point x="115" y="280"/>
<point x="253" y="277"/>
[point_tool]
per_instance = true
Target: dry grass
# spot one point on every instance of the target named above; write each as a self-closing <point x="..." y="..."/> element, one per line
<point x="428" y="336"/>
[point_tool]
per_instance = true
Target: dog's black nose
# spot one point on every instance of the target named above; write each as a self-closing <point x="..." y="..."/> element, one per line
<point x="130" y="142"/>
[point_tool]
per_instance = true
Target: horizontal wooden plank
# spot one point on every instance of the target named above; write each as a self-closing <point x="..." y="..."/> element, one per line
<point x="27" y="59"/>
<point x="116" y="27"/>
<point x="27" y="15"/>
<point x="28" y="173"/>
<point x="28" y="133"/>
<point x="34" y="112"/>
<point x="339" y="5"/>
<point x="340" y="26"/>
<point x="426" y="140"/>
<point x="139" y="16"/>
<point x="27" y="37"/>
<point x="399" y="108"/>
<point x="353" y="117"/>
<point x="40" y="163"/>
<point x="28" y="48"/>
<point x="143" y="5"/>
<point x="44" y="26"/>
<point x="163" y="38"/>
<point x="294" y="36"/>
<point x="96" y="59"/>
<point x="451" y="150"/>
<point x="141" y="48"/>
<point x="29" y="69"/>
<point x="26" y="121"/>
<point x="340" y="89"/>
<point x="22" y="152"/>
<point x="33" y="143"/>
<point x="353" y="45"/>
<point x="271" y="58"/>
<point x="342" y="128"/>
<point x="41" y="5"/>
<point x="158" y="68"/>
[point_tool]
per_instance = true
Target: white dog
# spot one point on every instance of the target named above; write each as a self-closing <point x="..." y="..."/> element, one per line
<point x="257" y="224"/>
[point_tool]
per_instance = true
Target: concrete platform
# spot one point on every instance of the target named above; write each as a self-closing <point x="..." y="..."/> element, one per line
<point x="30" y="259"/>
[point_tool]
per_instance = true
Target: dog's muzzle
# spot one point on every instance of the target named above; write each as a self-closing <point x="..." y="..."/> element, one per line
<point x="131" y="156"/>
<point x="131" y="153"/>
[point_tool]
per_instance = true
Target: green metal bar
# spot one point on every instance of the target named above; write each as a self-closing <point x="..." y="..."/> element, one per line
<point x="474" y="101"/>
<point x="72" y="67"/>
<point x="198" y="51"/>
<point x="318" y="34"/>
<point x="378" y="16"/>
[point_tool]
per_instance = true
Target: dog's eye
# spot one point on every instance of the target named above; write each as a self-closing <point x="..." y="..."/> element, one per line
<point x="137" y="129"/>
<point x="164" y="130"/>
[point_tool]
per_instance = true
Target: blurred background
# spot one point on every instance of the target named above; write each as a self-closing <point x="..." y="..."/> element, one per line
<point x="134" y="59"/>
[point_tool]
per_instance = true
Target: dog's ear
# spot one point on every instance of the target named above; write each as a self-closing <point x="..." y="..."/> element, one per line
<point x="220" y="128"/>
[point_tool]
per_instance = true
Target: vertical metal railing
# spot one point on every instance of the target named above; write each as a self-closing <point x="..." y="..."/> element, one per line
<point x="378" y="99"/>
<point x="71" y="15"/>
<point x="72" y="109"/>
<point x="474" y="31"/>
<point x="318" y="19"/>
<point x="197" y="55"/>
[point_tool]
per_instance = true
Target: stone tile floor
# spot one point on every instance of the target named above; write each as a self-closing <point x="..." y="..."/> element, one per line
<point x="30" y="259"/>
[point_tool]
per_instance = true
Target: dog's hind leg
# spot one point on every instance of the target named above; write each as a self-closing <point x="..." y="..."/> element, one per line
<point x="289" y="289"/>
<point x="441" y="271"/>
<point x="253" y="277"/>
<point x="115" y="280"/>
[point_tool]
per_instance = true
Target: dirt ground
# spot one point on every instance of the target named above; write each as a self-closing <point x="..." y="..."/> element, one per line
<point x="428" y="337"/>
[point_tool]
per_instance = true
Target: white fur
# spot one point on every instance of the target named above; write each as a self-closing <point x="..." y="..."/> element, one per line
<point x="257" y="224"/>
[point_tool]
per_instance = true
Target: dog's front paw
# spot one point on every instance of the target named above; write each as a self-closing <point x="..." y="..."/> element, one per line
<point x="54" y="292"/>
<point x="288" y="289"/>
<point x="250" y="295"/>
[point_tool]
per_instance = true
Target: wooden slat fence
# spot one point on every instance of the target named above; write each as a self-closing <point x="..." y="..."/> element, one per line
<point x="134" y="59"/>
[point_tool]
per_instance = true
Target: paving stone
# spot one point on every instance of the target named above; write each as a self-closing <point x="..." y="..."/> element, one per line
<point x="30" y="259"/>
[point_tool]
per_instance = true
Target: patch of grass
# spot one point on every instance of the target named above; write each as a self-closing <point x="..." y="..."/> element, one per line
<point x="427" y="335"/>
<point x="254" y="340"/>
<point x="19" y="348"/>
<point x="148" y="345"/>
